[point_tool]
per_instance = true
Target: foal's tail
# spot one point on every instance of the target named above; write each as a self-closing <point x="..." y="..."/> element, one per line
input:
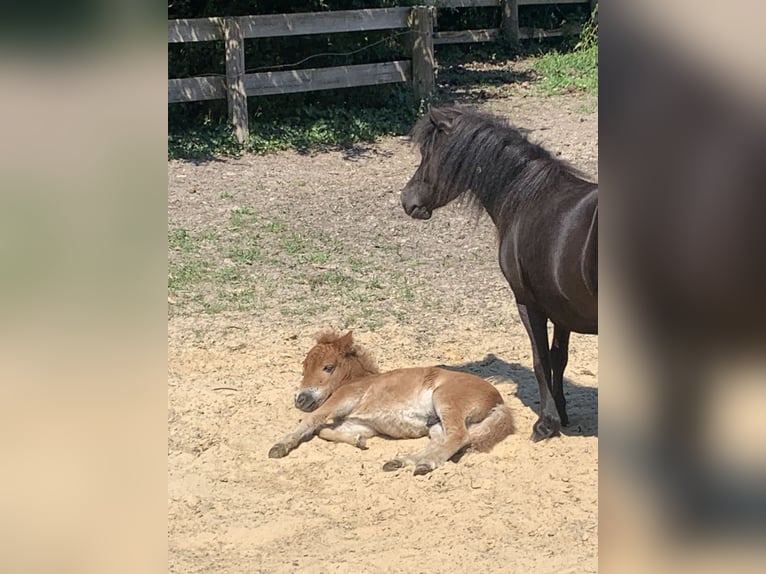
<point x="495" y="427"/>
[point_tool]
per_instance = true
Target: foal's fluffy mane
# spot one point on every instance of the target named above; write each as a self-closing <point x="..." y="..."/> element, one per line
<point x="330" y="336"/>
<point x="487" y="161"/>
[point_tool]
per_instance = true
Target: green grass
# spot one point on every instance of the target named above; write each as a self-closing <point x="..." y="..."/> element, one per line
<point x="253" y="265"/>
<point x="310" y="127"/>
<point x="562" y="72"/>
<point x="574" y="70"/>
<point x="276" y="227"/>
<point x="245" y="255"/>
<point x="294" y="244"/>
<point x="180" y="240"/>
<point x="242" y="216"/>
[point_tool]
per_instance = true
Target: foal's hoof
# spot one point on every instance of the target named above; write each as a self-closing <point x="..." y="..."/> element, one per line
<point x="278" y="451"/>
<point x="422" y="468"/>
<point x="393" y="465"/>
<point x="545" y="428"/>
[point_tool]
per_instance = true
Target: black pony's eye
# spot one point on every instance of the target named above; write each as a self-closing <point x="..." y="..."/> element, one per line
<point x="329" y="368"/>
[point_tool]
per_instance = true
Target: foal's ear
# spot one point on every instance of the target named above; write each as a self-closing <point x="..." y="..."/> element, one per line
<point x="346" y="341"/>
<point x="441" y="119"/>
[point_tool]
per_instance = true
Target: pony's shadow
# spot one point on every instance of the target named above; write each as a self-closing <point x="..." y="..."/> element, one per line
<point x="582" y="402"/>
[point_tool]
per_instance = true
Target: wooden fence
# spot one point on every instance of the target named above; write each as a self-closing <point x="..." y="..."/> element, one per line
<point x="236" y="85"/>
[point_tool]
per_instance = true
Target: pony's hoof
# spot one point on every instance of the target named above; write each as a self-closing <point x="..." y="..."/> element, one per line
<point x="361" y="442"/>
<point x="422" y="469"/>
<point x="393" y="465"/>
<point x="278" y="451"/>
<point x="544" y="429"/>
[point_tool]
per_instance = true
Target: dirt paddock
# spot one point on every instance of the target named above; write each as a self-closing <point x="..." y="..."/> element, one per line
<point x="268" y="250"/>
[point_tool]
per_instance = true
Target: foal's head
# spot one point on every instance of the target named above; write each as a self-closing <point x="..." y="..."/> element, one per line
<point x="420" y="196"/>
<point x="330" y="364"/>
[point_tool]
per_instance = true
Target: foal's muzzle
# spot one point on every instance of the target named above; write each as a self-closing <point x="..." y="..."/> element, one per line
<point x="306" y="400"/>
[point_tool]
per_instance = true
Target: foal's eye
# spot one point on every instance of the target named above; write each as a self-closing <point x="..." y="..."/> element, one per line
<point x="329" y="368"/>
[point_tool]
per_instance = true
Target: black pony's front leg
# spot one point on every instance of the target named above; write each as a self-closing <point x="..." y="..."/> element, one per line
<point x="536" y="323"/>
<point x="559" y="358"/>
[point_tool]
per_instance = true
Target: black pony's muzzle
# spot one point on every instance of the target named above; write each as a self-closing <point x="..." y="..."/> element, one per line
<point x="412" y="208"/>
<point x="420" y="212"/>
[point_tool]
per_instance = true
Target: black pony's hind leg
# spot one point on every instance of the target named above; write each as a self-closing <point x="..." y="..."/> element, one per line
<point x="559" y="358"/>
<point x="536" y="323"/>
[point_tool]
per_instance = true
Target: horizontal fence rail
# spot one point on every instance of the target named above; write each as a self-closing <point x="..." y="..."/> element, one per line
<point x="235" y="85"/>
<point x="269" y="83"/>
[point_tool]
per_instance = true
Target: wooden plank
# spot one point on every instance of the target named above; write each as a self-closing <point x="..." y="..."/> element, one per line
<point x="235" y="70"/>
<point x="195" y="30"/>
<point x="423" y="62"/>
<point x="544" y="2"/>
<point x="489" y="3"/>
<point x="196" y="89"/>
<point x="324" y="22"/>
<point x="539" y="33"/>
<point x="462" y="3"/>
<point x="270" y="83"/>
<point x="466" y="36"/>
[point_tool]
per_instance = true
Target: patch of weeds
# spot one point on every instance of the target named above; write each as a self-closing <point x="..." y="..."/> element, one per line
<point x="276" y="227"/>
<point x="181" y="240"/>
<point x="294" y="244"/>
<point x="333" y="278"/>
<point x="567" y="72"/>
<point x="241" y="299"/>
<point x="389" y="247"/>
<point x="183" y="275"/>
<point x="360" y="297"/>
<point x="227" y="195"/>
<point x="357" y="265"/>
<point x="228" y="275"/>
<point x="206" y="142"/>
<point x="209" y="235"/>
<point x="408" y="294"/>
<point x="242" y="216"/>
<point x="575" y="70"/>
<point x="210" y="307"/>
<point x="323" y="126"/>
<point x="316" y="258"/>
<point x="245" y="255"/>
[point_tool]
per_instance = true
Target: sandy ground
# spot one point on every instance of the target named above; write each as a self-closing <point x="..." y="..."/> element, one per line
<point x="524" y="507"/>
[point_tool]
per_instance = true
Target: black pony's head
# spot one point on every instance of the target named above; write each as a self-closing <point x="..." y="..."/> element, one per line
<point x="421" y="195"/>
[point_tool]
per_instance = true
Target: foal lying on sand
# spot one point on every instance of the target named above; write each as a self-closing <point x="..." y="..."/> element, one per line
<point x="350" y="401"/>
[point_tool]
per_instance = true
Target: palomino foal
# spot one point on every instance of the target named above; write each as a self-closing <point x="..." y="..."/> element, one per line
<point x="350" y="401"/>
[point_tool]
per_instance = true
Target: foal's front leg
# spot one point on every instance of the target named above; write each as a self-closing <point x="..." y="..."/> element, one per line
<point x="349" y="432"/>
<point x="339" y="405"/>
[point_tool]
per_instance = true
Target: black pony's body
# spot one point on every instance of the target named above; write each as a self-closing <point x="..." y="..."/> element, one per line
<point x="546" y="214"/>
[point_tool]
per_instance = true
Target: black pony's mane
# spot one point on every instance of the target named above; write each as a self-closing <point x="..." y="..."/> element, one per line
<point x="487" y="162"/>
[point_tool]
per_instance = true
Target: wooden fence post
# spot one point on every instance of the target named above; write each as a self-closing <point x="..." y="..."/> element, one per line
<point x="235" y="81"/>
<point x="509" y="21"/>
<point x="423" y="64"/>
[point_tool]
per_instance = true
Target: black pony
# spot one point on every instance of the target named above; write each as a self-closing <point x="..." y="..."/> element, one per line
<point x="546" y="214"/>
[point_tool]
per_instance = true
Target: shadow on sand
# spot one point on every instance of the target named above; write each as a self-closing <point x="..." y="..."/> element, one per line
<point x="582" y="402"/>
